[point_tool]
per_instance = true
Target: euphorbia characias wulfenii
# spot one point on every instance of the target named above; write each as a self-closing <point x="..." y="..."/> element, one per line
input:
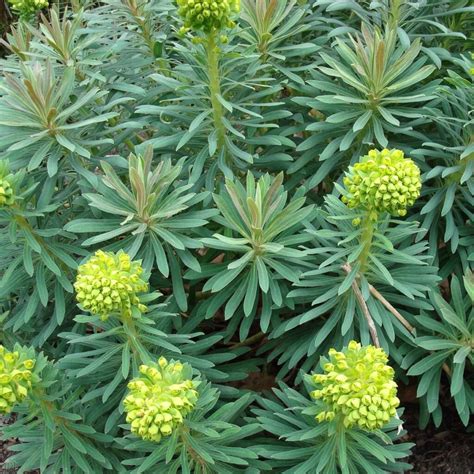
<point x="357" y="386"/>
<point x="207" y="15"/>
<point x="15" y="377"/>
<point x="160" y="398"/>
<point x="383" y="181"/>
<point x="109" y="283"/>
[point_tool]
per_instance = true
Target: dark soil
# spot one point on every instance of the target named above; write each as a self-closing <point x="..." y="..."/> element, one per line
<point x="4" y="453"/>
<point x="448" y="449"/>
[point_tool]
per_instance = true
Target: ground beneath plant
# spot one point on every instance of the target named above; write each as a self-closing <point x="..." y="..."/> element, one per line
<point x="446" y="450"/>
<point x="4" y="453"/>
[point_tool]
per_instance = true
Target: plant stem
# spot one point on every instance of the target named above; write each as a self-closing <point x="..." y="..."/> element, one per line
<point x="395" y="12"/>
<point x="363" y="305"/>
<point x="249" y="341"/>
<point x="366" y="241"/>
<point x="377" y="295"/>
<point x="132" y="337"/>
<point x="212" y="50"/>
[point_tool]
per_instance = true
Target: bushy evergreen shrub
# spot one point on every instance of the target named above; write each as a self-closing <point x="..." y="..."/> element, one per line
<point x="197" y="190"/>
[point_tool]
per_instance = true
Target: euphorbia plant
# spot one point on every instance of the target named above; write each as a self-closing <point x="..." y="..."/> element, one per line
<point x="158" y="216"/>
<point x="361" y="251"/>
<point x="50" y="421"/>
<point x="265" y="248"/>
<point x="195" y="207"/>
<point x="211" y="18"/>
<point x="26" y="9"/>
<point x="381" y="182"/>
<point x="351" y="428"/>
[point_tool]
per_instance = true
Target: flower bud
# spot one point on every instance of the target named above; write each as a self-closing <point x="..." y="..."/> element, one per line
<point x="158" y="401"/>
<point x="362" y="390"/>
<point x="108" y="283"/>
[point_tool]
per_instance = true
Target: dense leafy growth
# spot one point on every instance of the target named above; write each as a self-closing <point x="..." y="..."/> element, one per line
<point x="193" y="192"/>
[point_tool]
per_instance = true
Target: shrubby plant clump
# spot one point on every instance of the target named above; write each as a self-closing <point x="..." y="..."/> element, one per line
<point x="194" y="191"/>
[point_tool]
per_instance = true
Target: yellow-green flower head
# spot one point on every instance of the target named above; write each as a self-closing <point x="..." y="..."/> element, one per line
<point x="159" y="400"/>
<point x="357" y="385"/>
<point x="7" y="196"/>
<point x="383" y="181"/>
<point x="27" y="8"/>
<point x="207" y="15"/>
<point x="15" y="378"/>
<point x="108" y="283"/>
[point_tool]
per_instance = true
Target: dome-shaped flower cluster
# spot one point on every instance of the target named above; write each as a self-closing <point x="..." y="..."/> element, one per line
<point x="26" y="8"/>
<point x="159" y="400"/>
<point x="207" y="15"/>
<point x="383" y="181"/>
<point x="108" y="283"/>
<point x="7" y="196"/>
<point x="357" y="385"/>
<point x="15" y="378"/>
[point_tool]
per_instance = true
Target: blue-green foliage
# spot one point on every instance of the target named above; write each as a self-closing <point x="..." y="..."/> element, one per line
<point x="218" y="162"/>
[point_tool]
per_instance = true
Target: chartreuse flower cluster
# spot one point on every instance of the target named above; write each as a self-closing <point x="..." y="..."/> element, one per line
<point x="7" y="193"/>
<point x="358" y="387"/>
<point x="109" y="283"/>
<point x="159" y="400"/>
<point x="207" y="15"/>
<point x="15" y="377"/>
<point x="7" y="197"/>
<point x="27" y="8"/>
<point x="382" y="181"/>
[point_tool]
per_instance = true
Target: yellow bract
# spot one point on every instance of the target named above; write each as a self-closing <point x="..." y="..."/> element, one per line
<point x="383" y="181"/>
<point x="15" y="378"/>
<point x="159" y="400"/>
<point x="358" y="386"/>
<point x="7" y="197"/>
<point x="207" y="15"/>
<point x="108" y="284"/>
<point x="28" y="7"/>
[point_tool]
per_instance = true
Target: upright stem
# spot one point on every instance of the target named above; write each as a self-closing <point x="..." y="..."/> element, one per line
<point x="395" y="10"/>
<point x="132" y="335"/>
<point x="212" y="50"/>
<point x="366" y="241"/>
<point x="363" y="305"/>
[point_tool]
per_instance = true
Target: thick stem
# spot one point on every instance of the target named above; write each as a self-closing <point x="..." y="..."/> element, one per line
<point x="212" y="50"/>
<point x="395" y="13"/>
<point x="366" y="241"/>
<point x="140" y="354"/>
